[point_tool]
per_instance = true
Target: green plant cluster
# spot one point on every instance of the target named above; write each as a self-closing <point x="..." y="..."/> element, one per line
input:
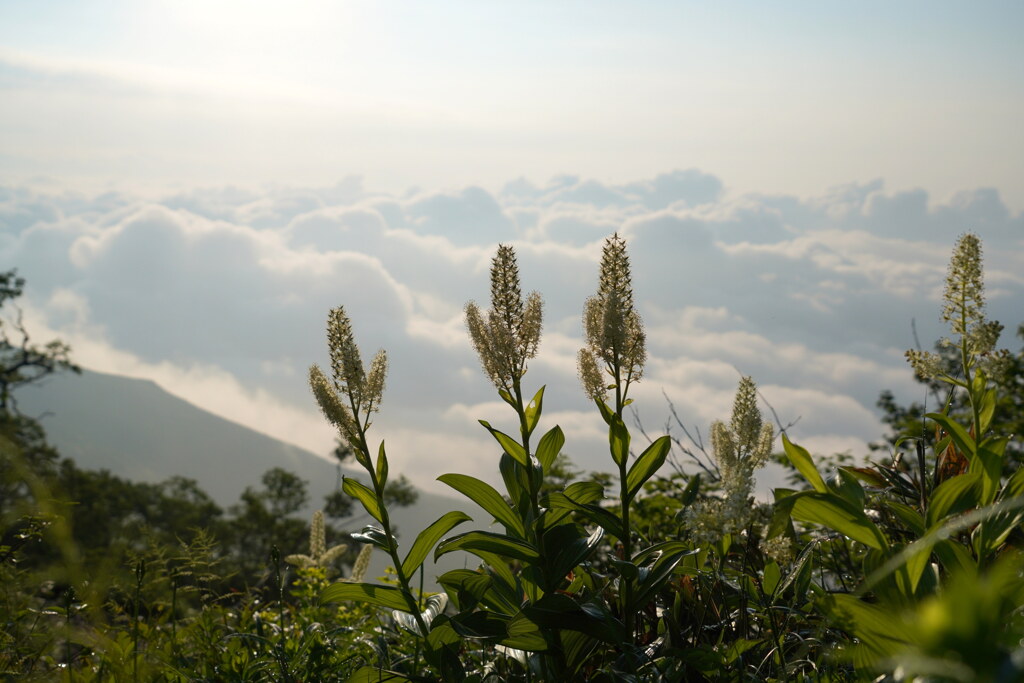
<point x="907" y="568"/>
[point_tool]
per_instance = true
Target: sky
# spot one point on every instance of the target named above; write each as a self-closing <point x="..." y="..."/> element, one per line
<point x="190" y="186"/>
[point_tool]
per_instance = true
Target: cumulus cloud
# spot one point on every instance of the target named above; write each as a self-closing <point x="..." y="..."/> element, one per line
<point x="220" y="295"/>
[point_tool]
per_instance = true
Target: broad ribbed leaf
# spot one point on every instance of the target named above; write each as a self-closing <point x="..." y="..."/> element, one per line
<point x="595" y="513"/>
<point x="484" y="495"/>
<point x="435" y="605"/>
<point x="953" y="496"/>
<point x="550" y="446"/>
<point x="371" y="674"/>
<point x="429" y="537"/>
<point x="523" y="634"/>
<point x="567" y="548"/>
<point x="964" y="441"/>
<point x="508" y="444"/>
<point x="801" y="460"/>
<point x="875" y="626"/>
<point x="533" y="410"/>
<point x="382" y="596"/>
<point x="646" y="465"/>
<point x="651" y="580"/>
<point x="618" y="440"/>
<point x="364" y="495"/>
<point x="382" y="466"/>
<point x="838" y="514"/>
<point x="373" y="535"/>
<point x="485" y="541"/>
<point x="557" y="611"/>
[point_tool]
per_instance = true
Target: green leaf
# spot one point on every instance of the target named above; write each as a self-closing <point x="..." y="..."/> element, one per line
<point x="523" y="634"/>
<point x="606" y="413"/>
<point x="485" y="541"/>
<point x="875" y="626"/>
<point x="550" y="446"/>
<point x="908" y="515"/>
<point x="989" y="462"/>
<point x="646" y="465"/>
<point x="429" y="537"/>
<point x="595" y="513"/>
<point x="382" y="466"/>
<point x="508" y="444"/>
<point x="371" y="674"/>
<point x="577" y="647"/>
<point x="434" y="606"/>
<point x="364" y="495"/>
<point x="801" y="460"/>
<point x="964" y="441"/>
<point x="654" y="578"/>
<point x="566" y="548"/>
<point x="507" y="398"/>
<point x="382" y="596"/>
<point x="373" y="535"/>
<point x="690" y="492"/>
<point x="555" y="611"/>
<point x="618" y="440"/>
<point x="987" y="410"/>
<point x="953" y="496"/>
<point x="480" y="624"/>
<point x="533" y="410"/>
<point x="849" y="488"/>
<point x="837" y="514"/>
<point x="772" y="575"/>
<point x="484" y="495"/>
<point x="868" y="475"/>
<point x="581" y="492"/>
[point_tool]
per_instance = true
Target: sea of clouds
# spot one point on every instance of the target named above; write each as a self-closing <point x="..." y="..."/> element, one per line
<point x="220" y="295"/>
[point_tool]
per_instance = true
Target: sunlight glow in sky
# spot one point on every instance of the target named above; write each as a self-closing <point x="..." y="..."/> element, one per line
<point x="792" y="97"/>
<point x="189" y="186"/>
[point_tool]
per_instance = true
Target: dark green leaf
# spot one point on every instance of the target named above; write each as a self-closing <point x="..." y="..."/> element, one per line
<point x="371" y="674"/>
<point x="428" y="537"/>
<point x="382" y="596"/>
<point x="486" y="541"/>
<point x="508" y="444"/>
<point x="837" y="514"/>
<point x="533" y="410"/>
<point x="801" y="460"/>
<point x="382" y="466"/>
<point x="373" y="535"/>
<point x="653" y="579"/>
<point x="567" y="548"/>
<point x="484" y="495"/>
<point x="953" y="496"/>
<point x="646" y="465"/>
<point x="618" y="440"/>
<point x="364" y="495"/>
<point x="556" y="611"/>
<point x="964" y="441"/>
<point x="550" y="446"/>
<point x="523" y="634"/>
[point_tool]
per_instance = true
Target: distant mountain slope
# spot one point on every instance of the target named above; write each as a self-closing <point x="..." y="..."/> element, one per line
<point x="139" y="432"/>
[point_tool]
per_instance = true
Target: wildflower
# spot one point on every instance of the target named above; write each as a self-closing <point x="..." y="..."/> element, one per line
<point x="613" y="329"/>
<point x="964" y="310"/>
<point x="319" y="554"/>
<point x="739" y="448"/>
<point x="362" y="564"/>
<point x="510" y="334"/>
<point x="352" y="394"/>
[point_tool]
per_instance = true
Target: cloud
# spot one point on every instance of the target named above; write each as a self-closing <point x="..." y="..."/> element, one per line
<point x="220" y="295"/>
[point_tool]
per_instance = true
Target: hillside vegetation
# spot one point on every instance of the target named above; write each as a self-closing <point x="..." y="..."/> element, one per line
<point x="908" y="568"/>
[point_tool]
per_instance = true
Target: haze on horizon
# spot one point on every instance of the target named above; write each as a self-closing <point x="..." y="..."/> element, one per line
<point x="188" y="187"/>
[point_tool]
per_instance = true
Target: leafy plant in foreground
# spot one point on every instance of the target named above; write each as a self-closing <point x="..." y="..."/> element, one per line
<point x="911" y="531"/>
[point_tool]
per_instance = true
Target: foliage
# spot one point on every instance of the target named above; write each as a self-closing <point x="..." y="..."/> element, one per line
<point x="907" y="569"/>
